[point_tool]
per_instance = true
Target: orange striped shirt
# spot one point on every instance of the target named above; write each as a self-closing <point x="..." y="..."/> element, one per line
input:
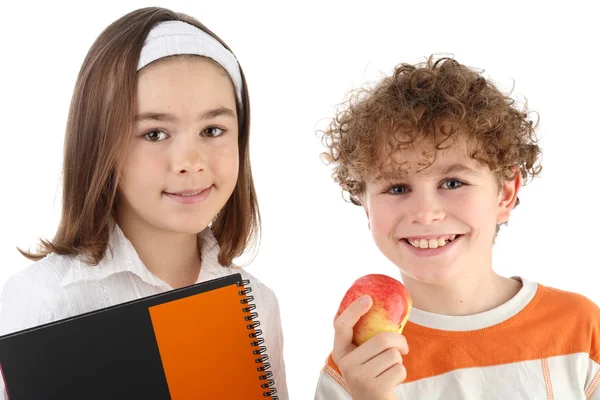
<point x="542" y="344"/>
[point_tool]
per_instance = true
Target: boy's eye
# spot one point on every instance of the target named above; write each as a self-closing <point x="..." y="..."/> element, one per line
<point x="452" y="184"/>
<point x="155" y="135"/>
<point x="397" y="189"/>
<point x="213" y="131"/>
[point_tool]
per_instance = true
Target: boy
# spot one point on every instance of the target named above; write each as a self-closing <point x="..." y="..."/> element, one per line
<point x="436" y="156"/>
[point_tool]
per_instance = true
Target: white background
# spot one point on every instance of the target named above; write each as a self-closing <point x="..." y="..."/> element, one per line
<point x="300" y="60"/>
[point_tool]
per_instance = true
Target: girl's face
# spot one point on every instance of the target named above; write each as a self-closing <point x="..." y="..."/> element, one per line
<point x="182" y="163"/>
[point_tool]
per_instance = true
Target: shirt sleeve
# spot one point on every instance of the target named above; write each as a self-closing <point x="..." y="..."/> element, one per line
<point x="269" y="317"/>
<point x="24" y="303"/>
<point x="592" y="380"/>
<point x="274" y="340"/>
<point x="329" y="388"/>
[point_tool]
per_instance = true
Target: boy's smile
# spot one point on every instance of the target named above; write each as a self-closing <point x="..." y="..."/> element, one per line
<point x="439" y="222"/>
<point x="430" y="245"/>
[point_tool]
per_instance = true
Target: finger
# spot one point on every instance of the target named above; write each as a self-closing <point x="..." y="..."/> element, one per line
<point x="393" y="376"/>
<point x="382" y="362"/>
<point x="344" y="325"/>
<point x="378" y="344"/>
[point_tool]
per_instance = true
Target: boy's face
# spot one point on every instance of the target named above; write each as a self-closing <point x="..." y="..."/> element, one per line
<point x="438" y="223"/>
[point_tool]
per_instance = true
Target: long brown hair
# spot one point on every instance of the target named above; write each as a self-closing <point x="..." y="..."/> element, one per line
<point x="100" y="117"/>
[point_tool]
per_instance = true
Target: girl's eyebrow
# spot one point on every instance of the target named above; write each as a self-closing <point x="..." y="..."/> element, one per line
<point x="158" y="116"/>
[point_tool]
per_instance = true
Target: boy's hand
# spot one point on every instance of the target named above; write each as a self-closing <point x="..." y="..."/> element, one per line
<point x="373" y="369"/>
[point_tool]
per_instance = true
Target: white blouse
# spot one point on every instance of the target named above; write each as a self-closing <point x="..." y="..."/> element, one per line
<point x="58" y="287"/>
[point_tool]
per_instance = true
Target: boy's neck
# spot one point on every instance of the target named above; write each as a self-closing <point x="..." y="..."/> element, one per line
<point x="174" y="258"/>
<point x="464" y="295"/>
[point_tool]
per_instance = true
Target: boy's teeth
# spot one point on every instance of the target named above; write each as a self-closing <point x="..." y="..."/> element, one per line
<point x="430" y="243"/>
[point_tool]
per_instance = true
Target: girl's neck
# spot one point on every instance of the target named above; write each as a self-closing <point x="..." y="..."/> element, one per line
<point x="173" y="257"/>
<point x="463" y="295"/>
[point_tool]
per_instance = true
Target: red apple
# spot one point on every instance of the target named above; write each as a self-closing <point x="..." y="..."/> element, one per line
<point x="390" y="309"/>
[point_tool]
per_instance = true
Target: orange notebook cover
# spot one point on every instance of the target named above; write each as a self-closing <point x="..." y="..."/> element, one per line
<point x="200" y="342"/>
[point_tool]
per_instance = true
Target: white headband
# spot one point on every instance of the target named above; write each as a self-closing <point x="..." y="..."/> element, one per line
<point x="170" y="38"/>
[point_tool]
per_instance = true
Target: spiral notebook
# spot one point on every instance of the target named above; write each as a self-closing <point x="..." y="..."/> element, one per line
<point x="198" y="342"/>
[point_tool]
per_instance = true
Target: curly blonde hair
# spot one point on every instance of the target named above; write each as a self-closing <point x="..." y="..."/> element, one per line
<point x="433" y="100"/>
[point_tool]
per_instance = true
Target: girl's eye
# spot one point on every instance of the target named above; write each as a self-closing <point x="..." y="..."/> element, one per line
<point x="213" y="131"/>
<point x="397" y="189"/>
<point x="156" y="135"/>
<point x="452" y="184"/>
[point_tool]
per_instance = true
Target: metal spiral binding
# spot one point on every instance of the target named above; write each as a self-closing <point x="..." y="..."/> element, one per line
<point x="257" y="342"/>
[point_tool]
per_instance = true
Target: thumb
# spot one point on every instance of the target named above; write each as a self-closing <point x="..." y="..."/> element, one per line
<point x="344" y="326"/>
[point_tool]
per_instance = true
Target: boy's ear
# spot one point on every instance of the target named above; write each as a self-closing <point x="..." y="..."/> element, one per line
<point x="509" y="196"/>
<point x="359" y="201"/>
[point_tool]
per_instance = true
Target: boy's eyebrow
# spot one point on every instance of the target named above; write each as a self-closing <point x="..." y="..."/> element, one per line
<point x="457" y="168"/>
<point x="450" y="169"/>
<point x="157" y="116"/>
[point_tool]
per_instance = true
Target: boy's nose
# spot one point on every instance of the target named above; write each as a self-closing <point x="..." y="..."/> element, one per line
<point x="426" y="211"/>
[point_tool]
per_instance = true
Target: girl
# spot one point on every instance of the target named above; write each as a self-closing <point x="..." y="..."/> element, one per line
<point x="157" y="187"/>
